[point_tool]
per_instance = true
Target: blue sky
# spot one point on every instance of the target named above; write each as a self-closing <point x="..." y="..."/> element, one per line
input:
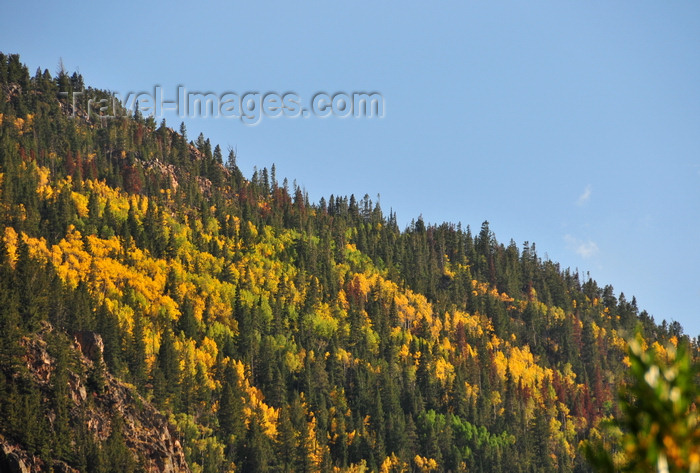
<point x="575" y="125"/>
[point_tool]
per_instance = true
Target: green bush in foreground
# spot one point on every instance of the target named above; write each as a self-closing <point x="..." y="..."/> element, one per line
<point x="658" y="428"/>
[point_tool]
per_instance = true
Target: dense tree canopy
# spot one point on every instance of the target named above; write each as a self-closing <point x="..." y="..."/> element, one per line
<point x="277" y="333"/>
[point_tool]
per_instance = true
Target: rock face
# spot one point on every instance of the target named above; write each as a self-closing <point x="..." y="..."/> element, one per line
<point x="13" y="459"/>
<point x="90" y="343"/>
<point x="147" y="432"/>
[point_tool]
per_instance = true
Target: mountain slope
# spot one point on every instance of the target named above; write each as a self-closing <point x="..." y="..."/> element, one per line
<point x="66" y="384"/>
<point x="277" y="334"/>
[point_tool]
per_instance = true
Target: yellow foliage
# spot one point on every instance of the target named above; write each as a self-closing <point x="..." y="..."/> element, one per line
<point x="416" y="357"/>
<point x="360" y="285"/>
<point x="444" y="371"/>
<point x="446" y="346"/>
<point x="425" y="465"/>
<point x="118" y="202"/>
<point x="470" y="351"/>
<point x="501" y="363"/>
<point x="124" y="313"/>
<point x="556" y="313"/>
<point x="344" y="357"/>
<point x="19" y="124"/>
<point x="192" y="357"/>
<point x="360" y="467"/>
<point x="207" y="352"/>
<point x="10" y="239"/>
<point x="505" y="297"/>
<point x="293" y="361"/>
<point x="471" y="323"/>
<point x="81" y="203"/>
<point x="660" y="350"/>
<point x="392" y="464"/>
<point x="105" y="275"/>
<point x="471" y="390"/>
<point x="322" y="320"/>
<point x="43" y="174"/>
<point x="314" y="450"/>
<point x="618" y="341"/>
<point x="522" y="366"/>
<point x="404" y="353"/>
<point x="255" y="402"/>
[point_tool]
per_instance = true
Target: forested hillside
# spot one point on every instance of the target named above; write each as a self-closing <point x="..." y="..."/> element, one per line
<point x="274" y="333"/>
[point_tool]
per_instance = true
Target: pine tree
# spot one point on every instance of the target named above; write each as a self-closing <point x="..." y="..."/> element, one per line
<point x="119" y="458"/>
<point x="29" y="285"/>
<point x="10" y="319"/>
<point x="58" y="347"/>
<point x="166" y="372"/>
<point x="256" y="452"/>
<point x="108" y="327"/>
<point x="136" y="353"/>
<point x="97" y="375"/>
<point x="230" y="414"/>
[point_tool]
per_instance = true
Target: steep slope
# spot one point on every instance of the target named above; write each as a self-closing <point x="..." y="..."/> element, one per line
<point x="95" y="403"/>
<point x="280" y="334"/>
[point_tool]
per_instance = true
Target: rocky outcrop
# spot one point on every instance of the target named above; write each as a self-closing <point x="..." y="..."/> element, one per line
<point x="147" y="433"/>
<point x="14" y="459"/>
<point x="167" y="171"/>
<point x="90" y="344"/>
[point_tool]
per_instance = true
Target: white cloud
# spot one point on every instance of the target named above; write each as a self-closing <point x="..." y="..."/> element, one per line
<point x="583" y="198"/>
<point x="586" y="249"/>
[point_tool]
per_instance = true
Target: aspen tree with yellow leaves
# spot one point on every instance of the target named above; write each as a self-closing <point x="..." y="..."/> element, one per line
<point x="275" y="333"/>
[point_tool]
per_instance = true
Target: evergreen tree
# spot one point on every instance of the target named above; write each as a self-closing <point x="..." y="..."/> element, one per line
<point x="256" y="452"/>
<point x="230" y="414"/>
<point x="166" y="371"/>
<point x="119" y="459"/>
<point x="136" y="353"/>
